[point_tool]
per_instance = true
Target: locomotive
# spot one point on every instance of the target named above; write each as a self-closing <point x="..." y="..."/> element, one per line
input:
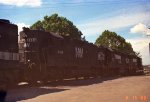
<point x="9" y="56"/>
<point x="46" y="56"/>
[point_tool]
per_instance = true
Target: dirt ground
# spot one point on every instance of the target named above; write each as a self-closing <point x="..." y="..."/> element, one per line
<point x="117" y="89"/>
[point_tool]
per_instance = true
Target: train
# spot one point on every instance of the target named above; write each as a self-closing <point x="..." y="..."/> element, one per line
<point x="47" y="56"/>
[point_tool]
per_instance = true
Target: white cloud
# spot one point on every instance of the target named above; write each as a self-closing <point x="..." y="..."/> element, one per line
<point x="141" y="45"/>
<point x="116" y="22"/>
<point x="31" y="3"/>
<point x="96" y="26"/>
<point x="140" y="28"/>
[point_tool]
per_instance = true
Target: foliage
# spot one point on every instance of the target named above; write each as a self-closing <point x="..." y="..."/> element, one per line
<point x="59" y="25"/>
<point x="138" y="54"/>
<point x="114" y="41"/>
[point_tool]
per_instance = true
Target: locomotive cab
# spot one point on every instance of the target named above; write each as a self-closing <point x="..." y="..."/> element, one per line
<point x="33" y="45"/>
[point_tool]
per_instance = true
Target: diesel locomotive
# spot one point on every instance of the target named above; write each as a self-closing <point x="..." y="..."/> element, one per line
<point x="46" y="56"/>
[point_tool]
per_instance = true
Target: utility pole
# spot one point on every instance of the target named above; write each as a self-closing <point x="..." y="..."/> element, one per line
<point x="149" y="48"/>
<point x="149" y="45"/>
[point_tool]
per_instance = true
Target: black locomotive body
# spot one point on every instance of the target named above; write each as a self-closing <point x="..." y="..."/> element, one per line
<point x="56" y="57"/>
<point x="44" y="56"/>
<point x="9" y="56"/>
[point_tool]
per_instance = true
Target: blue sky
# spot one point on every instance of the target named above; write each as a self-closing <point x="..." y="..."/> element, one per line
<point x="129" y="18"/>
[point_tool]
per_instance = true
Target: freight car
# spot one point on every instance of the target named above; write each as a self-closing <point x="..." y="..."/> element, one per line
<point x="58" y="57"/>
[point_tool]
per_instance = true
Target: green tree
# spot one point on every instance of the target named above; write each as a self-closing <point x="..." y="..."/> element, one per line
<point x="114" y="41"/>
<point x="59" y="25"/>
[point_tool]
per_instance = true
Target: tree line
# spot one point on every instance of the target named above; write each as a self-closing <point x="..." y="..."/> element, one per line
<point x="64" y="27"/>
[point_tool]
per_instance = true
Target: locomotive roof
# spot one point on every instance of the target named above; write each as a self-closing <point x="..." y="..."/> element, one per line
<point x="56" y="35"/>
<point x="42" y="31"/>
<point x="7" y="23"/>
<point x="4" y="21"/>
<point x="119" y="52"/>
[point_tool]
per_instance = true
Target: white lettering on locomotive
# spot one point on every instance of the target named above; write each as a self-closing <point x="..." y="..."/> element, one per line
<point x="60" y="52"/>
<point x="101" y="56"/>
<point x="26" y="45"/>
<point x="78" y="52"/>
<point x="31" y="39"/>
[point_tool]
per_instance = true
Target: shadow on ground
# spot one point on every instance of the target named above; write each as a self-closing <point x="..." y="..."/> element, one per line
<point x="85" y="82"/>
<point x="25" y="92"/>
<point x="80" y="82"/>
<point x="29" y="93"/>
